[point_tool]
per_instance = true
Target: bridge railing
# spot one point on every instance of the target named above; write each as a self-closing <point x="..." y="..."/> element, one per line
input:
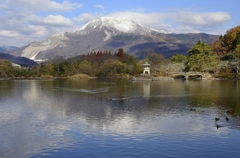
<point x="194" y="72"/>
<point x="190" y="72"/>
<point x="186" y="73"/>
<point x="173" y="73"/>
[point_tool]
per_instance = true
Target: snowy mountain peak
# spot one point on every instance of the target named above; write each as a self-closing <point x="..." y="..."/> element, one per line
<point x="118" y="25"/>
<point x="6" y="48"/>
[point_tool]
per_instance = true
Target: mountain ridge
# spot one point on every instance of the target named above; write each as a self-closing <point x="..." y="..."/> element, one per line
<point x="109" y="33"/>
<point x="7" y="48"/>
<point x="122" y="25"/>
<point x="18" y="60"/>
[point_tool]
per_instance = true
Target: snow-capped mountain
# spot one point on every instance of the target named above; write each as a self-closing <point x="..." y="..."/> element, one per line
<point x="7" y="48"/>
<point x="113" y="26"/>
<point x="110" y="33"/>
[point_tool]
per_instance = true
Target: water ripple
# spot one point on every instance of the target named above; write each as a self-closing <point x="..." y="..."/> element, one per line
<point x="80" y="120"/>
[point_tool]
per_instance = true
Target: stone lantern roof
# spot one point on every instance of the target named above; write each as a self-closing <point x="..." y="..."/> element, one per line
<point x="146" y="64"/>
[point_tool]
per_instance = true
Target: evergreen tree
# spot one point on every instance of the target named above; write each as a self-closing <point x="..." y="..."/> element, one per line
<point x="120" y="53"/>
<point x="201" y="58"/>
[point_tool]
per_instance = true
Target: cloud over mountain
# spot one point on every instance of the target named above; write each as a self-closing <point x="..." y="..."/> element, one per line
<point x="35" y="20"/>
<point x="111" y="33"/>
<point x="53" y="20"/>
<point x="40" y="5"/>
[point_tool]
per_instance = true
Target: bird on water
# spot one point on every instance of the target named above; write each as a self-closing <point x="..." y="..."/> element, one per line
<point x="191" y="109"/>
<point x="227" y="119"/>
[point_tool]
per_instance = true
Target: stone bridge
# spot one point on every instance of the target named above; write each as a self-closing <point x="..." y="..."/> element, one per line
<point x="187" y="75"/>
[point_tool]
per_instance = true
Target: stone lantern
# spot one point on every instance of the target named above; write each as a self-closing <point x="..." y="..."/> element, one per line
<point x="146" y="69"/>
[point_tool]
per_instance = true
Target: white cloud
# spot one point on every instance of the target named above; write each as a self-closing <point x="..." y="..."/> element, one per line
<point x="7" y="33"/>
<point x="26" y="28"/>
<point x="149" y="19"/>
<point x="173" y="21"/>
<point x="85" y="17"/>
<point x="200" y="19"/>
<point x="53" y="20"/>
<point x="2" y="6"/>
<point x="176" y="21"/>
<point x="99" y="6"/>
<point x="21" y="19"/>
<point x="41" y="5"/>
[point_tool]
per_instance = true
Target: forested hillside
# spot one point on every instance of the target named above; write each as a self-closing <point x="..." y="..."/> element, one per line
<point x="222" y="58"/>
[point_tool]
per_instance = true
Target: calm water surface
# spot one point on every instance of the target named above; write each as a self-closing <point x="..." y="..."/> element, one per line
<point x="119" y="118"/>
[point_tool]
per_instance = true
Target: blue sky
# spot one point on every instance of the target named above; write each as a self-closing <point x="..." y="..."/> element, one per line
<point x="25" y="21"/>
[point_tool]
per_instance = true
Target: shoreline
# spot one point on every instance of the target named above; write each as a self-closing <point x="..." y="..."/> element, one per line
<point x="140" y="78"/>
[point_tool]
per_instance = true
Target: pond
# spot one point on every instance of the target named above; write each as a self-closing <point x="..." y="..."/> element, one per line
<point x="115" y="118"/>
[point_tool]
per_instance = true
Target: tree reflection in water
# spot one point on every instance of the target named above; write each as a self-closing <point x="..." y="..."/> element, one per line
<point x="57" y="118"/>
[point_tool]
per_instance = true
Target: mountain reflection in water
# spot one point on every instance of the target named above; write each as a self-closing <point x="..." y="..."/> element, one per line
<point x="89" y="118"/>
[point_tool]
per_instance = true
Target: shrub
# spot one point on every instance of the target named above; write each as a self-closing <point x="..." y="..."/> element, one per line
<point x="46" y="77"/>
<point x="79" y="76"/>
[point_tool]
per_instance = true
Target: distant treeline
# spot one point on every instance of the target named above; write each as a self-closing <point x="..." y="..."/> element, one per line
<point x="95" y="64"/>
<point x="221" y="57"/>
